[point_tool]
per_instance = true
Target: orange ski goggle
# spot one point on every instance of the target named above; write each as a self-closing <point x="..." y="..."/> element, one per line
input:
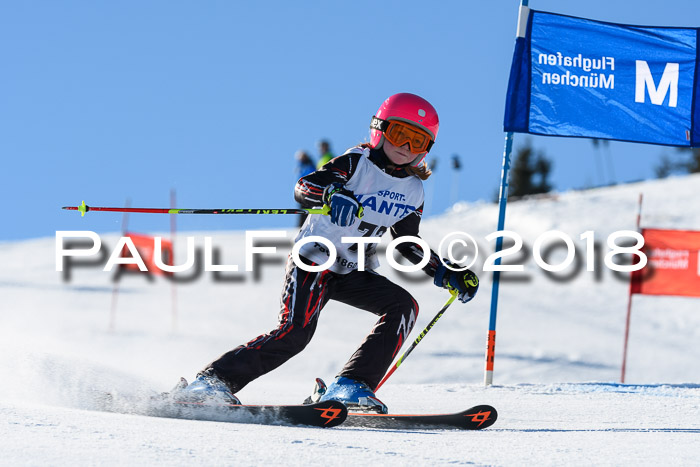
<point x="399" y="133"/>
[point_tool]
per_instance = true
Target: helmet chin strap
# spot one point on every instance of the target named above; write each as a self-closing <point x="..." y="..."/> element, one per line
<point x="416" y="162"/>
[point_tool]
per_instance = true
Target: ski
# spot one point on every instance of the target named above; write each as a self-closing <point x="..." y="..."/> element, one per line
<point x="322" y="414"/>
<point x="476" y="418"/>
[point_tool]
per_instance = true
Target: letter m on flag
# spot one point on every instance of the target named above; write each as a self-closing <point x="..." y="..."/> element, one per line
<point x="657" y="94"/>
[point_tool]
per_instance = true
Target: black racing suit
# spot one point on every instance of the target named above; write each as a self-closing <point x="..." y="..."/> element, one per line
<point x="306" y="293"/>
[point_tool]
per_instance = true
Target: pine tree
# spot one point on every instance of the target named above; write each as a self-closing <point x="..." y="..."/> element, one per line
<point x="690" y="165"/>
<point x="694" y="162"/>
<point x="529" y="173"/>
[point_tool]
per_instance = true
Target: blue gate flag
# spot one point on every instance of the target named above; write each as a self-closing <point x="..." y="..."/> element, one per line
<point x="584" y="78"/>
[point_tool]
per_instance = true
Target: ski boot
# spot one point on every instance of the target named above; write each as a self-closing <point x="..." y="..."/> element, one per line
<point x="207" y="389"/>
<point x="356" y="395"/>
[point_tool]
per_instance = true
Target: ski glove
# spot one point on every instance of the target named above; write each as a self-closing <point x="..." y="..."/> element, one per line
<point x="344" y="206"/>
<point x="464" y="282"/>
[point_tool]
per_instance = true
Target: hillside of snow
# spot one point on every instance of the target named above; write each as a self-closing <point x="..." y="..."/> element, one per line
<point x="65" y="336"/>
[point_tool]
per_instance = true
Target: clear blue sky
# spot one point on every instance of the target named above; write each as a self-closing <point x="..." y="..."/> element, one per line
<point x="104" y="101"/>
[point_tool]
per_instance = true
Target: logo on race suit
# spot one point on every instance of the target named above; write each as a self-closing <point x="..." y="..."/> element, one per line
<point x="405" y="328"/>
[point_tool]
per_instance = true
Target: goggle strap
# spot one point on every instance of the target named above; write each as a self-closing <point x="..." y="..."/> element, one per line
<point x="382" y="125"/>
<point x="379" y="124"/>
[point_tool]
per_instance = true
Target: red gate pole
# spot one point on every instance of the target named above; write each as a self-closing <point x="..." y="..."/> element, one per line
<point x="629" y="303"/>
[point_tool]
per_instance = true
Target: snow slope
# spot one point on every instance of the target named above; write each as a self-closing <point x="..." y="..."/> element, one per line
<point x="559" y="349"/>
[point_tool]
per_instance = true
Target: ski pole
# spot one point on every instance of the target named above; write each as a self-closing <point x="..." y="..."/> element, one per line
<point x="83" y="208"/>
<point x="453" y="295"/>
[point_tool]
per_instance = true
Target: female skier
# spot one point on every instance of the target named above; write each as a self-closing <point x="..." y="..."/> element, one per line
<point x="370" y="189"/>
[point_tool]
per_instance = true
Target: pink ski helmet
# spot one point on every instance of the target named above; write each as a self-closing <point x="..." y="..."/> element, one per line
<point x="409" y="108"/>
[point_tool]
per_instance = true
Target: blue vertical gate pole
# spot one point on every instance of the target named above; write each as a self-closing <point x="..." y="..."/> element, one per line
<point x="502" y="201"/>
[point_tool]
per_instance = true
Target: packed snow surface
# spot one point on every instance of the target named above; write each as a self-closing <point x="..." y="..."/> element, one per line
<point x="66" y="336"/>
